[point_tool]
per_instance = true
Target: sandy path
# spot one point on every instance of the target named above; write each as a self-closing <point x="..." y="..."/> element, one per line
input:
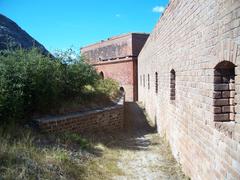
<point x="135" y="153"/>
<point x="147" y="156"/>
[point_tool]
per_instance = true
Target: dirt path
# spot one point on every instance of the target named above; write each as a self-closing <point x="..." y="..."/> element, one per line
<point x="136" y="153"/>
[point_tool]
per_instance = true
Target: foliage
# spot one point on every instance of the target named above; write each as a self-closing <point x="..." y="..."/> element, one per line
<point x="108" y="86"/>
<point x="34" y="84"/>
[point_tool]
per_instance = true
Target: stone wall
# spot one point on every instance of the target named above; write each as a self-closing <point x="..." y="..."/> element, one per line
<point x="106" y="119"/>
<point x="198" y="108"/>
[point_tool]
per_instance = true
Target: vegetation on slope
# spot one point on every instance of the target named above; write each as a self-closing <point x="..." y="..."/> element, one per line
<point x="32" y="84"/>
<point x="26" y="154"/>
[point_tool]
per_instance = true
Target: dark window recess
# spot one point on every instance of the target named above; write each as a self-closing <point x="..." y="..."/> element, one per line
<point x="172" y="85"/>
<point x="224" y="92"/>
<point x="102" y="75"/>
<point x="122" y="89"/>
<point x="144" y="80"/>
<point x="148" y="81"/>
<point x="156" y="82"/>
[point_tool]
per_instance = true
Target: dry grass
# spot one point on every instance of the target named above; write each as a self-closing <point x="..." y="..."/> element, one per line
<point x="104" y="167"/>
<point x="137" y="152"/>
<point x="27" y="155"/>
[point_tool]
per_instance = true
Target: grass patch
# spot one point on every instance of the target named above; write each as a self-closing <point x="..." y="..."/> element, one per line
<point x="170" y="165"/>
<point x="28" y="155"/>
<point x="104" y="167"/>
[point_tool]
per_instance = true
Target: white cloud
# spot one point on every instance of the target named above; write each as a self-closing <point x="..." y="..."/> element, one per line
<point x="158" y="9"/>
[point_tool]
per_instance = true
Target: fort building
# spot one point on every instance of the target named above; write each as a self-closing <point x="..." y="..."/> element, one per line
<point x="117" y="58"/>
<point x="187" y="75"/>
<point x="189" y="82"/>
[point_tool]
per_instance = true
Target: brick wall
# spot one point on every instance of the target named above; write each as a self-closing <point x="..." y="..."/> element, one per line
<point x="106" y="119"/>
<point x="202" y="120"/>
<point x="112" y="48"/>
<point x="116" y="58"/>
<point x="138" y="41"/>
<point x="126" y="45"/>
<point x="124" y="72"/>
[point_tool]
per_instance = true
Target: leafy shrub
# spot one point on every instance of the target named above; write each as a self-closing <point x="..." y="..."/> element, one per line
<point x="76" y="76"/>
<point x="108" y="87"/>
<point x="31" y="83"/>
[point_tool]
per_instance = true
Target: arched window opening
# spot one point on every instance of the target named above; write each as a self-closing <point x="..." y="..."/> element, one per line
<point x="172" y="85"/>
<point x="156" y="82"/>
<point x="101" y="75"/>
<point x="122" y="89"/>
<point x="148" y="81"/>
<point x="224" y="92"/>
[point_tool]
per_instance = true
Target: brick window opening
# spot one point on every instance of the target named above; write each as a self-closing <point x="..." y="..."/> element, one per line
<point x="101" y="75"/>
<point x="224" y="92"/>
<point x="144" y="80"/>
<point x="172" y="85"/>
<point x="122" y="89"/>
<point x="148" y="81"/>
<point x="156" y="82"/>
<point x="140" y="80"/>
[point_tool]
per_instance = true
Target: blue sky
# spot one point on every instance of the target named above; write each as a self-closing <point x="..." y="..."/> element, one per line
<point x="61" y="24"/>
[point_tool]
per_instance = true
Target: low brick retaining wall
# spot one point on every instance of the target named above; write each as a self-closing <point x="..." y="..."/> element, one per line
<point x="106" y="119"/>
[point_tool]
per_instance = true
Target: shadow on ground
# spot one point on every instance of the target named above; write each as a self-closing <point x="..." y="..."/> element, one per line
<point x="136" y="152"/>
<point x="131" y="137"/>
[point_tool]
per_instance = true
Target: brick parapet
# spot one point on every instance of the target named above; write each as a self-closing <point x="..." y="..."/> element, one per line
<point x="105" y="119"/>
<point x="115" y="61"/>
<point x="122" y="46"/>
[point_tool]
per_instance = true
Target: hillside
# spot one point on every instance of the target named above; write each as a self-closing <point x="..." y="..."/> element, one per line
<point x="12" y="36"/>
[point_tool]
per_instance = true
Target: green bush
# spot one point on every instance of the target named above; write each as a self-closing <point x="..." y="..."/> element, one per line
<point x="76" y="76"/>
<point x="31" y="83"/>
<point x="108" y="87"/>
